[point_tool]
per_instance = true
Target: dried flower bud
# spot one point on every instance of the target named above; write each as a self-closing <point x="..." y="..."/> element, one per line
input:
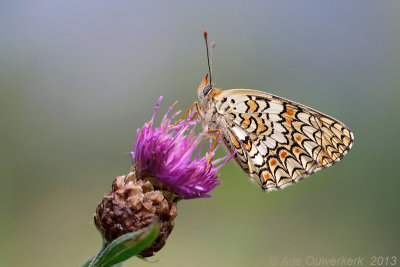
<point x="133" y="204"/>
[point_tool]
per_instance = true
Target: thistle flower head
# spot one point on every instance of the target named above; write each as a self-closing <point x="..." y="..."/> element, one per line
<point x="167" y="152"/>
<point x="164" y="170"/>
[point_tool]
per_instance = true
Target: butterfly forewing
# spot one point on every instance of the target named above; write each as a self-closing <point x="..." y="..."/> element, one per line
<point x="277" y="141"/>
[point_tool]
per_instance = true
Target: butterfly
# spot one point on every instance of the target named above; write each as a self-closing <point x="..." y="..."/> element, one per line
<point x="277" y="141"/>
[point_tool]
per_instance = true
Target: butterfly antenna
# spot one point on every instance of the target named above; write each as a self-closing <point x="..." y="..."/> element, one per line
<point x="208" y="57"/>
<point x="212" y="57"/>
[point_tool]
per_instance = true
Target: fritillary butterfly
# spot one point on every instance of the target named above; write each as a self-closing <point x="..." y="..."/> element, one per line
<point x="277" y="141"/>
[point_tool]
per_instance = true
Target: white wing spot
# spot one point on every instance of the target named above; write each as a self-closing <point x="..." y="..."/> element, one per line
<point x="258" y="160"/>
<point x="240" y="133"/>
<point x="274" y="117"/>
<point x="304" y="117"/>
<point x="278" y="127"/>
<point x="262" y="149"/>
<point x="279" y="137"/>
<point x="271" y="143"/>
<point x="241" y="107"/>
<point x="274" y="108"/>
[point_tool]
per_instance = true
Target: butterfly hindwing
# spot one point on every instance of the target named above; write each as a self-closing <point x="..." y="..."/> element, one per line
<point x="278" y="141"/>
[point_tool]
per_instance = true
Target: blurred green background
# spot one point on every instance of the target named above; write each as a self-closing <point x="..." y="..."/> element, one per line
<point x="77" y="78"/>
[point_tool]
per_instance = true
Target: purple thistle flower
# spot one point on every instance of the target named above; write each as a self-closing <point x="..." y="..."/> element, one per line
<point x="166" y="153"/>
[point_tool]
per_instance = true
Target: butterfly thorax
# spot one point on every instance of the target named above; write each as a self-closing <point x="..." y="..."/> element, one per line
<point x="209" y="110"/>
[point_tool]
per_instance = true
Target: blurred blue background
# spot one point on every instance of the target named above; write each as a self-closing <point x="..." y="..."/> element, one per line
<point x="77" y="78"/>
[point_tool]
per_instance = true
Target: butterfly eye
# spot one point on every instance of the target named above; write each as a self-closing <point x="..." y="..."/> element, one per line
<point x="206" y="90"/>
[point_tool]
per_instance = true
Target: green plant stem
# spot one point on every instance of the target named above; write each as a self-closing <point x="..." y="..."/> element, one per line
<point x="103" y="247"/>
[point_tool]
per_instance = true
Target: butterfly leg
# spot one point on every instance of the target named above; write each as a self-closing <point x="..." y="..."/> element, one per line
<point x="196" y="105"/>
<point x="216" y="141"/>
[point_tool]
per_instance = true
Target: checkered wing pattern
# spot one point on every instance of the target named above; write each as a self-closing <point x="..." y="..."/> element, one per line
<point x="278" y="142"/>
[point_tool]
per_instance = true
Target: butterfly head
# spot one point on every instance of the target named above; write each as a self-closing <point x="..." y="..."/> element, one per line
<point x="204" y="88"/>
